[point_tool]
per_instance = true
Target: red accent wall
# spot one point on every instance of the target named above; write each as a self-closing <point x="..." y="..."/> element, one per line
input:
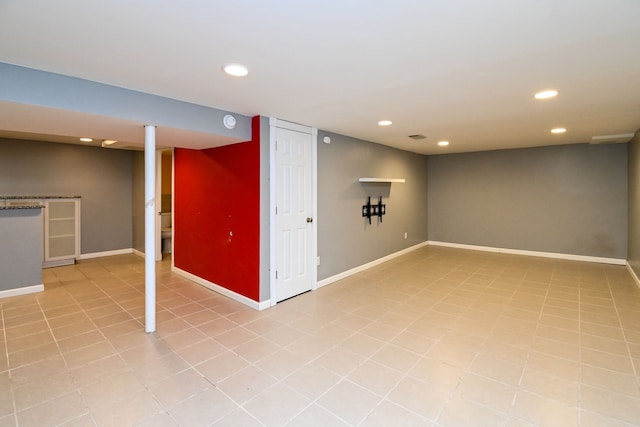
<point x="217" y="214"/>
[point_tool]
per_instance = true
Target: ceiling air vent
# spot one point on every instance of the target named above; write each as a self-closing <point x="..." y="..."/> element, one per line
<point x="611" y="139"/>
<point x="417" y="136"/>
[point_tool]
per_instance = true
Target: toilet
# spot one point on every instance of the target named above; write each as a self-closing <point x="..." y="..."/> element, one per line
<point x="167" y="232"/>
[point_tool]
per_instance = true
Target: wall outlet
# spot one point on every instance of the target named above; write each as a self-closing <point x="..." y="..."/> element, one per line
<point x="405" y="234"/>
<point x="318" y="261"/>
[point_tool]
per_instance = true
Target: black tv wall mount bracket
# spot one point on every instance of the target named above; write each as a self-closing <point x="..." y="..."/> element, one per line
<point x="370" y="210"/>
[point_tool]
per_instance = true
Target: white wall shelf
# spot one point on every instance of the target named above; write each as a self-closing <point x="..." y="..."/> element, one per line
<point x="382" y="180"/>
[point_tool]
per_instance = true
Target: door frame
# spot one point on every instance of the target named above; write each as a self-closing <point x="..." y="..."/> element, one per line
<point x="158" y="224"/>
<point x="273" y="124"/>
<point x="158" y="197"/>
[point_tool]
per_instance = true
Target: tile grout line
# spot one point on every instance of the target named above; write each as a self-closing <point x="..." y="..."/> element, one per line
<point x="519" y="388"/>
<point x="464" y="370"/>
<point x="406" y="374"/>
<point x="6" y="355"/>
<point x="402" y="378"/>
<point x="579" y="402"/>
<point x="622" y="329"/>
<point x="97" y="328"/>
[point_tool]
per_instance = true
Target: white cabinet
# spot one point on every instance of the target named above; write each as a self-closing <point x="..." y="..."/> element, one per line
<point x="61" y="231"/>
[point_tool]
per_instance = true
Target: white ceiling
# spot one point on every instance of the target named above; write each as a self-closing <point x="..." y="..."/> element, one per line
<point x="461" y="70"/>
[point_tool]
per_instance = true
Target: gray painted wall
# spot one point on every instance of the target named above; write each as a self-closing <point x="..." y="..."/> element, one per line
<point x="137" y="200"/>
<point x="345" y="238"/>
<point x="265" y="289"/>
<point x="102" y="177"/>
<point x="21" y="248"/>
<point x="568" y="199"/>
<point x="633" y="255"/>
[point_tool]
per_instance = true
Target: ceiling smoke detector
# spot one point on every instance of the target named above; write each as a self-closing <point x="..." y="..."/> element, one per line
<point x="611" y="139"/>
<point x="417" y="136"/>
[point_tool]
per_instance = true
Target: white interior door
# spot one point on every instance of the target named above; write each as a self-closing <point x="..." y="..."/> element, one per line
<point x="294" y="213"/>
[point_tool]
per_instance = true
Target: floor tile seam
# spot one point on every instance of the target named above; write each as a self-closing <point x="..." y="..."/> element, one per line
<point x="77" y="417"/>
<point x="602" y="414"/>
<point x="529" y="422"/>
<point x="68" y="306"/>
<point x="320" y="355"/>
<point x="484" y="405"/>
<point x="9" y="370"/>
<point x="242" y="406"/>
<point x="86" y="411"/>
<point x="116" y="351"/>
<point x="214" y="337"/>
<point x="624" y="335"/>
<point x="230" y="350"/>
<point x="49" y="399"/>
<point x="50" y="330"/>
<point x="119" y="398"/>
<point x="606" y="416"/>
<point x="390" y="342"/>
<point x="610" y="391"/>
<point x="116" y="303"/>
<point x="382" y="398"/>
<point x="190" y="343"/>
<point x="519" y="384"/>
<point x="168" y="408"/>
<point x="521" y="389"/>
<point x="385" y="397"/>
<point x="239" y="408"/>
<point x="539" y="320"/>
<point x="7" y="320"/>
<point x="580" y="358"/>
<point x="316" y="402"/>
<point x="344" y="377"/>
<point x="406" y="375"/>
<point x="4" y="336"/>
<point x="450" y="395"/>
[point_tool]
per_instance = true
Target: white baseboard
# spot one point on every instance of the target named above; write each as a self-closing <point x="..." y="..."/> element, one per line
<point x="344" y="274"/>
<point x="106" y="253"/>
<point x="137" y="252"/>
<point x="554" y="255"/>
<point x="59" y="263"/>
<point x="21" y="291"/>
<point x="224" y="291"/>
<point x="633" y="274"/>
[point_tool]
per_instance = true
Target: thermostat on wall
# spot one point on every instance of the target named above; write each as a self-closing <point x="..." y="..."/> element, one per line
<point x="229" y="121"/>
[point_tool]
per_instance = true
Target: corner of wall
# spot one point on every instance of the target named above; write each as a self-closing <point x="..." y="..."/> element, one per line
<point x="633" y="220"/>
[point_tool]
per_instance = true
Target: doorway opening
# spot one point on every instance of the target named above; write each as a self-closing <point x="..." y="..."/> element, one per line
<point x="165" y="184"/>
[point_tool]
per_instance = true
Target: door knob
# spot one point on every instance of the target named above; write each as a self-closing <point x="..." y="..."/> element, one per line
<point x="309" y="219"/>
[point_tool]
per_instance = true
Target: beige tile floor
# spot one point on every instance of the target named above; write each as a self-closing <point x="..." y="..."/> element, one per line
<point x="441" y="337"/>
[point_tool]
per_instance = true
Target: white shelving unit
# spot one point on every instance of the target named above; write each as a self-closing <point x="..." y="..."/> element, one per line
<point x="381" y="180"/>
<point x="61" y="231"/>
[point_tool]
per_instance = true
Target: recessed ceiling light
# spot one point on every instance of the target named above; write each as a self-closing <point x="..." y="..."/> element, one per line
<point x="546" y="94"/>
<point x="86" y="139"/>
<point x="108" y="142"/>
<point x="385" y="123"/>
<point x="558" y="130"/>
<point x="443" y="143"/>
<point x="235" y="70"/>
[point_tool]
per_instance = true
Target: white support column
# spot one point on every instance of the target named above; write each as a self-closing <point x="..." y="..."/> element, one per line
<point x="149" y="228"/>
